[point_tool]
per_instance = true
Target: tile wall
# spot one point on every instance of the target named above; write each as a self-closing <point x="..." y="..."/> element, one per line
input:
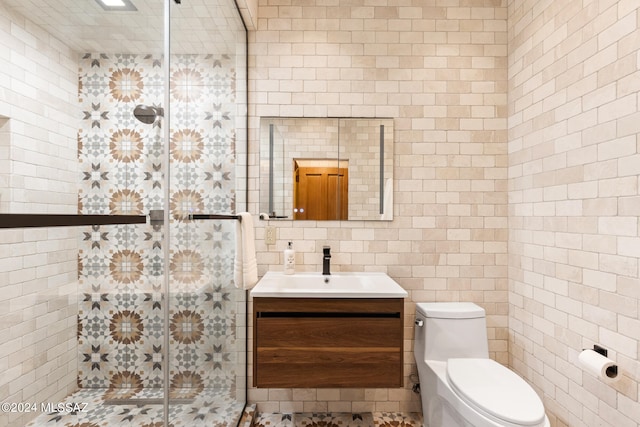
<point x="38" y="267"/>
<point x="440" y="69"/>
<point x="5" y="164"/>
<point x="574" y="203"/>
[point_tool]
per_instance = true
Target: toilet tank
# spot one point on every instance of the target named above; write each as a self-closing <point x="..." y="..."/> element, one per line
<point x="451" y="330"/>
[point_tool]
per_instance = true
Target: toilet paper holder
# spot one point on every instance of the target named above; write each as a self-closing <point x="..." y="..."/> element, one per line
<point x="612" y="371"/>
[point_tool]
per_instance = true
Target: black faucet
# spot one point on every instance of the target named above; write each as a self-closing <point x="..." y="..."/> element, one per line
<point x="326" y="260"/>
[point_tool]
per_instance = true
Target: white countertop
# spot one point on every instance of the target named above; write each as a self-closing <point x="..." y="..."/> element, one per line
<point x="337" y="285"/>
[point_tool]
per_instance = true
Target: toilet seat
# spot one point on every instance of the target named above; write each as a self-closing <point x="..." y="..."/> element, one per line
<point x="491" y="388"/>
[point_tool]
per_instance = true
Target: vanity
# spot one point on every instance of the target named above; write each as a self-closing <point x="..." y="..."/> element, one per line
<point x="315" y="331"/>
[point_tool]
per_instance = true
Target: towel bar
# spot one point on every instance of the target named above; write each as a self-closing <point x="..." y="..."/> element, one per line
<point x="71" y="220"/>
<point x="214" y="216"/>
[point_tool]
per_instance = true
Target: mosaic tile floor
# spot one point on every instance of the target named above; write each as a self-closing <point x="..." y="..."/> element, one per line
<point x="210" y="408"/>
<point x="376" y="419"/>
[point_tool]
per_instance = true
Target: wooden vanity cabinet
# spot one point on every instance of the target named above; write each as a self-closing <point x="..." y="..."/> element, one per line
<point x="327" y="342"/>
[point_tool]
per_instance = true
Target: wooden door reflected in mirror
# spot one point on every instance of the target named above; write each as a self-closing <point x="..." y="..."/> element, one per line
<point x="321" y="190"/>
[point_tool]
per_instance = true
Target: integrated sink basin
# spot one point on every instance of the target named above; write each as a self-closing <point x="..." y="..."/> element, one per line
<point x="337" y="285"/>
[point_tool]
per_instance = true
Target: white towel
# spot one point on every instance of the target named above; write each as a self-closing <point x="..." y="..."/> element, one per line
<point x="245" y="266"/>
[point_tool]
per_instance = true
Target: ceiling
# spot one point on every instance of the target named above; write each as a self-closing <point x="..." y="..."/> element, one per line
<point x="197" y="26"/>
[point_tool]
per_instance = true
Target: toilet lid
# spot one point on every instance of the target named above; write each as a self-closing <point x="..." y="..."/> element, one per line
<point x="487" y="385"/>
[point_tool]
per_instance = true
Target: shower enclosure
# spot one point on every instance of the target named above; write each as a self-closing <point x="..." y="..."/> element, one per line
<point x="122" y="165"/>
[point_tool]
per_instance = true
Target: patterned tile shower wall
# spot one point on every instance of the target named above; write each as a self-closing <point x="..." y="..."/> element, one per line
<point x="120" y="323"/>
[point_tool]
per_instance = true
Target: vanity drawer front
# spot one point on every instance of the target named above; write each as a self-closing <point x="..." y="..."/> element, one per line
<point x="328" y="332"/>
<point x="313" y="355"/>
<point x="335" y="372"/>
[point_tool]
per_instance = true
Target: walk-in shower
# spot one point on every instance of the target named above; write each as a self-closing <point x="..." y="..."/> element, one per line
<point x="123" y="306"/>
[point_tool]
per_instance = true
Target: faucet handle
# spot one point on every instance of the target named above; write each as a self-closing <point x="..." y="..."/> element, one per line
<point x="326" y="250"/>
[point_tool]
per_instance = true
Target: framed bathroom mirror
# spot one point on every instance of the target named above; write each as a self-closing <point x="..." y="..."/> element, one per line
<point x="316" y="168"/>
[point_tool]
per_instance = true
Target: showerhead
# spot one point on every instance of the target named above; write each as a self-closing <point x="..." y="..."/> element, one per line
<point x="148" y="114"/>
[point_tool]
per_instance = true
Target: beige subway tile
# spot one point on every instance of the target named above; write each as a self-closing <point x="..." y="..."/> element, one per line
<point x="618" y="226"/>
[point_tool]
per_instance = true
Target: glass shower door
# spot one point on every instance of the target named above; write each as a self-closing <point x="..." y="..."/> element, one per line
<point x="207" y="313"/>
<point x="121" y="144"/>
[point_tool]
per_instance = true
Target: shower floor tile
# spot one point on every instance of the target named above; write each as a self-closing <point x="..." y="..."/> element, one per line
<point x="211" y="407"/>
<point x="376" y="419"/>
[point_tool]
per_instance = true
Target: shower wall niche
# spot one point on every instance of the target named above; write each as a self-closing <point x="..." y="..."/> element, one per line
<point x="120" y="322"/>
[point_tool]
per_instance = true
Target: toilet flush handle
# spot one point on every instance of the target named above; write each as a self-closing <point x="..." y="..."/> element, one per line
<point x="419" y="322"/>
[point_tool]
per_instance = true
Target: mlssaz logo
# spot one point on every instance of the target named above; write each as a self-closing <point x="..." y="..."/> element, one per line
<point x="63" y="407"/>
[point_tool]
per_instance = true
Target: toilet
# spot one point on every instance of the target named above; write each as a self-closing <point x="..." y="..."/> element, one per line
<point x="460" y="386"/>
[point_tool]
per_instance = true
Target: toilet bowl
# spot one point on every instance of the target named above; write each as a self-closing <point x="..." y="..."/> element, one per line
<point x="459" y="385"/>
